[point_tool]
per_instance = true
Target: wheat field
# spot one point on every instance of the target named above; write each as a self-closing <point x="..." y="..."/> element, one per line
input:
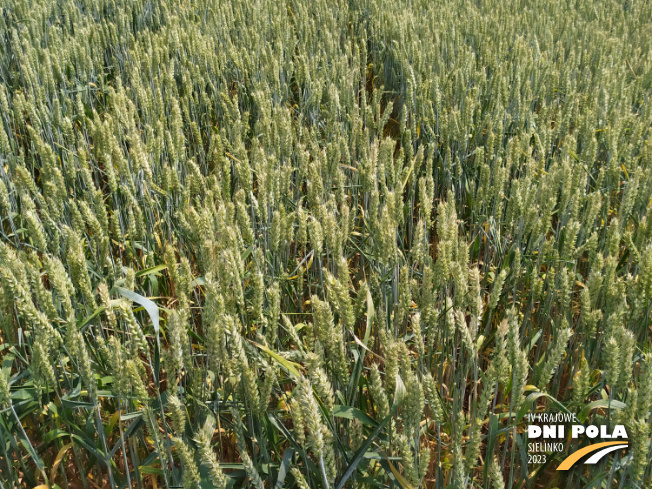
<point x="322" y="245"/>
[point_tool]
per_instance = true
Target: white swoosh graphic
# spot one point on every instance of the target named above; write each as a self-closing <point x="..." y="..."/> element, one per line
<point x="595" y="458"/>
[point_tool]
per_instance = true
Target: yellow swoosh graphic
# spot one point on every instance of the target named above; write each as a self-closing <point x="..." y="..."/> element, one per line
<point x="571" y="459"/>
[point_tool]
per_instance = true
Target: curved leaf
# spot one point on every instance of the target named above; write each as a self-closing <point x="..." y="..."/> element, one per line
<point x="599" y="404"/>
<point x="150" y="307"/>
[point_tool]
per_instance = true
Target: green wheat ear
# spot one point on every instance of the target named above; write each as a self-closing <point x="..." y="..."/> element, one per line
<point x="227" y="228"/>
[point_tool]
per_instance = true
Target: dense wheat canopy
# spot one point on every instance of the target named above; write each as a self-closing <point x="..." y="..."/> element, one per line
<point x="326" y="245"/>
